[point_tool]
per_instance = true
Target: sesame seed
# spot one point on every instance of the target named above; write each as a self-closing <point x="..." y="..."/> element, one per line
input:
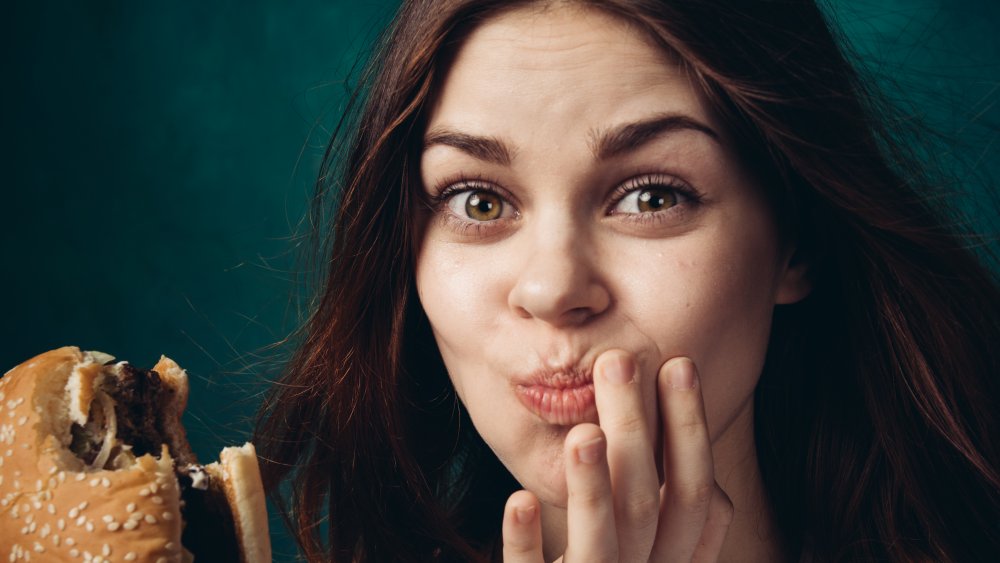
<point x="74" y="552"/>
<point x="46" y="529"/>
<point x="157" y="500"/>
<point x="79" y="477"/>
<point x="83" y="505"/>
<point x="106" y="550"/>
<point x="94" y="482"/>
<point x="154" y="487"/>
<point x="130" y="525"/>
<point x="55" y="540"/>
<point x="74" y="512"/>
<point x="89" y="526"/>
<point x="52" y="470"/>
<point x="161" y="560"/>
<point x="61" y="524"/>
<point x="81" y="520"/>
<point x="135" y="516"/>
<point x="21" y="421"/>
<point x="61" y="476"/>
<point x="130" y="507"/>
<point x="130" y="556"/>
<point x="51" y="508"/>
<point x="170" y="546"/>
<point x="167" y="516"/>
<point x="106" y="483"/>
<point x="32" y="527"/>
<point x="39" y="548"/>
<point x="150" y="519"/>
<point x="144" y="492"/>
<point x="70" y="542"/>
<point x="113" y="526"/>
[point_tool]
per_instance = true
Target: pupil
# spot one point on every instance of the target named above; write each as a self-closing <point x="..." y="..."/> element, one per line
<point x="652" y="200"/>
<point x="482" y="207"/>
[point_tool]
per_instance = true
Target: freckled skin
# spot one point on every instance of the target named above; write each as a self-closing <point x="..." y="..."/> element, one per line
<point x="566" y="280"/>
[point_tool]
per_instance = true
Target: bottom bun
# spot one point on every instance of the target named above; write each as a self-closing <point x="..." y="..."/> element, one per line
<point x="94" y="466"/>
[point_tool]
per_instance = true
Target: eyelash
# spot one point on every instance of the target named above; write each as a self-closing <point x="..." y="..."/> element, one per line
<point x="449" y="188"/>
<point x="445" y="190"/>
<point x="687" y="197"/>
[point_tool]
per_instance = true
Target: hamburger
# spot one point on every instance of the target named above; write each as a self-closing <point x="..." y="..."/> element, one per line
<point x="95" y="466"/>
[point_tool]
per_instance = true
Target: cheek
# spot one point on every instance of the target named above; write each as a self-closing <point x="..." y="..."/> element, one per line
<point x="453" y="288"/>
<point x="711" y="298"/>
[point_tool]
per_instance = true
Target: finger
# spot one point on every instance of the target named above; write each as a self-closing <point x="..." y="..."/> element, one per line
<point x="631" y="457"/>
<point x="522" y="529"/>
<point x="720" y="515"/>
<point x="689" y="478"/>
<point x="590" y="518"/>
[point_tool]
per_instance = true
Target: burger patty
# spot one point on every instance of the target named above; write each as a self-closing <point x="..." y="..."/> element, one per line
<point x="140" y="398"/>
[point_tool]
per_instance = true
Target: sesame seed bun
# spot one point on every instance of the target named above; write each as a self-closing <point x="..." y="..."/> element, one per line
<point x="118" y="506"/>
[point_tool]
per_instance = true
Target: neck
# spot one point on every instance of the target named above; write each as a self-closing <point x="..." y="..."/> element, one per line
<point x="752" y="535"/>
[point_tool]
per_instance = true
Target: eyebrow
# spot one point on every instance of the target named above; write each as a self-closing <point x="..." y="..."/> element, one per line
<point x="604" y="145"/>
<point x="631" y="136"/>
<point x="489" y="149"/>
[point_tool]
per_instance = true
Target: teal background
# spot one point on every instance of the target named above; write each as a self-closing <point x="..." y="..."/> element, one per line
<point x="157" y="158"/>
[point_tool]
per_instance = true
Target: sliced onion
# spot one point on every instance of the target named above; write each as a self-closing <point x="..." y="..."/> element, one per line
<point x="110" y="430"/>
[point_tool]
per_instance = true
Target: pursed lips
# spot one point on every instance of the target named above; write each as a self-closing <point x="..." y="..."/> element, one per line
<point x="559" y="396"/>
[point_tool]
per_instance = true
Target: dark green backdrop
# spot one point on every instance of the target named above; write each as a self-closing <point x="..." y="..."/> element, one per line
<point x="157" y="157"/>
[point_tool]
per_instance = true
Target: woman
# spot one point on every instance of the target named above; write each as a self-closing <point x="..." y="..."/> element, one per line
<point x="657" y="264"/>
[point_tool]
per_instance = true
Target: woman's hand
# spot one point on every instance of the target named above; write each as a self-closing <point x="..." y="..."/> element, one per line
<point x="617" y="510"/>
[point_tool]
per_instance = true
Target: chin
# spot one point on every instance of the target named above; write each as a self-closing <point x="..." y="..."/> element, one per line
<point x="544" y="477"/>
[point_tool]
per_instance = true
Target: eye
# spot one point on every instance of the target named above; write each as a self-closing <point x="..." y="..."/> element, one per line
<point x="647" y="200"/>
<point x="479" y="205"/>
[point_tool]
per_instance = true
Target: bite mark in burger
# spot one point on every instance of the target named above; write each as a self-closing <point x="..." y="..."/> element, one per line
<point x="94" y="462"/>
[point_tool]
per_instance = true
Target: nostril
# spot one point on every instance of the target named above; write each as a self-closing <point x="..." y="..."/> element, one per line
<point x="578" y="315"/>
<point x="522" y="312"/>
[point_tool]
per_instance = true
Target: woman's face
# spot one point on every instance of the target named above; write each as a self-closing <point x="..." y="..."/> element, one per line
<point x="587" y="199"/>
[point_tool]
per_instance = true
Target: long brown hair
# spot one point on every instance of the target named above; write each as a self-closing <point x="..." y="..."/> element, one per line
<point x="876" y="412"/>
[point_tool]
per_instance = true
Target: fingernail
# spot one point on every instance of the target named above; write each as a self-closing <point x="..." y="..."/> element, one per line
<point x="524" y="514"/>
<point x="590" y="452"/>
<point x="618" y="369"/>
<point x="681" y="374"/>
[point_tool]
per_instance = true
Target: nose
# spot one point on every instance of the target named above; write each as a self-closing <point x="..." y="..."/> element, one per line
<point x="558" y="280"/>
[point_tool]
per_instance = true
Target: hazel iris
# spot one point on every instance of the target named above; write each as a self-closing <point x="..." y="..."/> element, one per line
<point x="654" y="200"/>
<point x="483" y="206"/>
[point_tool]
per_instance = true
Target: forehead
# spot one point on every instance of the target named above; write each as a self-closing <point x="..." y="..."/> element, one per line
<point x="562" y="61"/>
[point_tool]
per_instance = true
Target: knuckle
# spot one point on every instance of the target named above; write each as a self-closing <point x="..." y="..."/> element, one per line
<point x="691" y="424"/>
<point x="641" y="511"/>
<point x="588" y="497"/>
<point x="631" y="423"/>
<point x="695" y="497"/>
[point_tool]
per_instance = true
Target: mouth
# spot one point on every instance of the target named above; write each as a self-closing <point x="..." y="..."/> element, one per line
<point x="559" y="397"/>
